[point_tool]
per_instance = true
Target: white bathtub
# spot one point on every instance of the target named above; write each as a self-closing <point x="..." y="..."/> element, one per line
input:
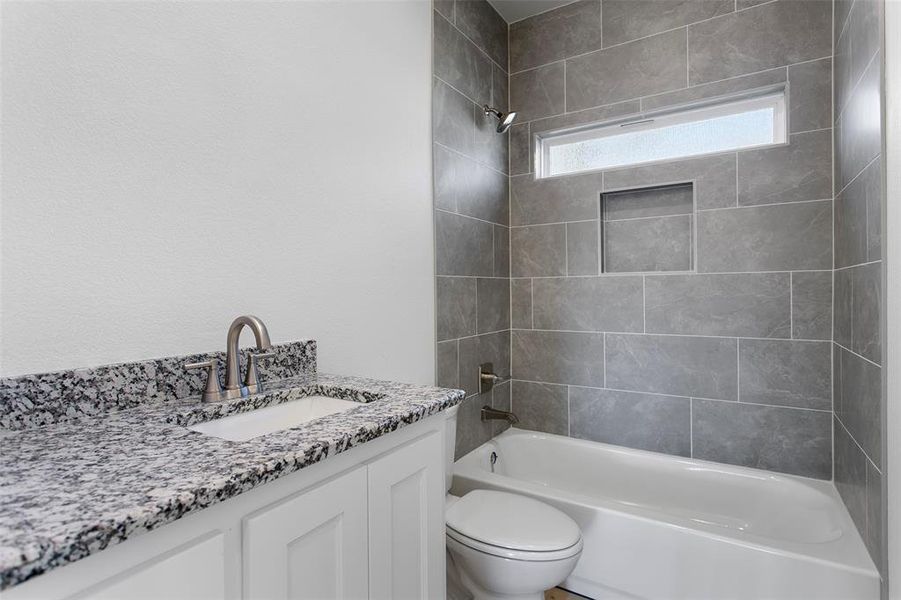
<point x="662" y="527"/>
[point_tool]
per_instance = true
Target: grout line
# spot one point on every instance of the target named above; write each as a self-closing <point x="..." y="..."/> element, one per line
<point x="604" y="358"/>
<point x="737" y="370"/>
<point x="791" y="305"/>
<point x="532" y="303"/>
<point x="470" y="158"/>
<point x="469" y="39"/>
<point x="674" y="395"/>
<point x="865" y="264"/>
<point x="691" y="422"/>
<point x="644" y="305"/>
<point x="670" y="273"/>
<point x="682" y="335"/>
<point x="848" y="350"/>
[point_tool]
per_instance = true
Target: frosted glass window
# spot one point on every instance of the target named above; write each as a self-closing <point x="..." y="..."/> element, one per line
<point x="747" y="123"/>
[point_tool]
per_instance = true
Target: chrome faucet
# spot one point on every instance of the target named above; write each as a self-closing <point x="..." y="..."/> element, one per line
<point x="213" y="391"/>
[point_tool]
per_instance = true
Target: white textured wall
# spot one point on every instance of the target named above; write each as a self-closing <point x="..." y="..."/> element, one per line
<point x="168" y="166"/>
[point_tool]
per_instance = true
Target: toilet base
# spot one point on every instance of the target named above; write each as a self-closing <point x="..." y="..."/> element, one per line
<point x="488" y="577"/>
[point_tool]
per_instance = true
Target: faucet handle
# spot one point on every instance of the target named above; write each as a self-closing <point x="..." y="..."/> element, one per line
<point x="212" y="391"/>
<point x="252" y="378"/>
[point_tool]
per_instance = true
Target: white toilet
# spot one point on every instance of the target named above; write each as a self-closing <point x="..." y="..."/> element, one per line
<point x="503" y="545"/>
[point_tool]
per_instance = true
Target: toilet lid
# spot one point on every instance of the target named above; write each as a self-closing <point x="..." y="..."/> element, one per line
<point x="512" y="521"/>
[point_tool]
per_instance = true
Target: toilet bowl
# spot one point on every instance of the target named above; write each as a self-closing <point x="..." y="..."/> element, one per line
<point x="506" y="546"/>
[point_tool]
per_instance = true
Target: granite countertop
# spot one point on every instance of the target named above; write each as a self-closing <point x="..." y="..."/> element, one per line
<point x="71" y="489"/>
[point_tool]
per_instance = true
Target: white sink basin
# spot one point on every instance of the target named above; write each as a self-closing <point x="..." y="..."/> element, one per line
<point x="245" y="426"/>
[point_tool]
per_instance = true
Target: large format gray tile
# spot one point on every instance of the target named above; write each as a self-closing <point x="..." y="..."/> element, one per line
<point x="779" y="237"/>
<point x="860" y="405"/>
<point x="445" y="7"/>
<point x="648" y="66"/>
<point x="850" y="474"/>
<point x="860" y="138"/>
<point x="588" y="303"/>
<point x="465" y="186"/>
<point x="541" y="407"/>
<point x="459" y="62"/>
<point x="446" y="364"/>
<point x="874" y="210"/>
<point x="501" y="251"/>
<point x="866" y="311"/>
<point x="713" y="178"/>
<point x="759" y="38"/>
<point x="501" y="399"/>
<point x="500" y="89"/>
<point x="521" y="303"/>
<point x="472" y="432"/>
<point x="473" y="351"/>
<point x="538" y="92"/>
<point x="679" y="365"/>
<point x="842" y="307"/>
<point x="864" y="33"/>
<point x="626" y="20"/>
<point x="570" y="198"/>
<point x="773" y="78"/>
<point x="843" y="78"/>
<point x="648" y="202"/>
<point x="558" y="357"/>
<point x="452" y="118"/>
<point x="810" y="97"/>
<point x="875" y="526"/>
<point x="812" y="305"/>
<point x="456" y="307"/>
<point x="858" y="310"/>
<point x="520" y="155"/>
<point x="493" y="304"/>
<point x="801" y="170"/>
<point x="554" y="35"/>
<point x="786" y="373"/>
<point x="489" y="147"/>
<point x="538" y="251"/>
<point x="481" y="23"/>
<point x="851" y="216"/>
<point x="463" y="246"/>
<point x="645" y="421"/>
<point x="582" y="248"/>
<point x="763" y="437"/>
<point x="750" y="305"/>
<point x="653" y="244"/>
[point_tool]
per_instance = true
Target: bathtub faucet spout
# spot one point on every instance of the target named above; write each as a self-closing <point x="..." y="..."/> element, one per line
<point x="489" y="414"/>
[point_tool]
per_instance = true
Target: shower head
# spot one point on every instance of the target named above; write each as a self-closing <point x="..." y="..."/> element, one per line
<point x="504" y="120"/>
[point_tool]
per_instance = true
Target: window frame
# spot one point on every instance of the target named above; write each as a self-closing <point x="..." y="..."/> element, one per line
<point x="719" y="107"/>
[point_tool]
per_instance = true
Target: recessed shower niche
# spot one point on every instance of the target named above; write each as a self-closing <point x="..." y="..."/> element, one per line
<point x="648" y="229"/>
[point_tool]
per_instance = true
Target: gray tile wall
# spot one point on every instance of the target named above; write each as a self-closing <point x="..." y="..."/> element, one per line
<point x="472" y="235"/>
<point x="858" y="318"/>
<point x="730" y="361"/>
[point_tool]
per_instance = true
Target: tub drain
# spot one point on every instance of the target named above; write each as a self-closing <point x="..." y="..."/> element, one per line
<point x="493" y="459"/>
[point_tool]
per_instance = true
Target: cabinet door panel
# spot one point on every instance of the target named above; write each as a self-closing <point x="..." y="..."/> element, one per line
<point x="406" y="522"/>
<point x="194" y="571"/>
<point x="311" y="546"/>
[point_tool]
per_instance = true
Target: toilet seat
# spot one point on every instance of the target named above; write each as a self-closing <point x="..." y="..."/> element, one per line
<point x="512" y="526"/>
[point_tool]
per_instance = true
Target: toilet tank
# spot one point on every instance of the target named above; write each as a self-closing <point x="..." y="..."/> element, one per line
<point x="450" y="445"/>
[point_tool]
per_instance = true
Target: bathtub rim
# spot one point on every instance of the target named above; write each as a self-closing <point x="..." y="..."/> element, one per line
<point x="847" y="552"/>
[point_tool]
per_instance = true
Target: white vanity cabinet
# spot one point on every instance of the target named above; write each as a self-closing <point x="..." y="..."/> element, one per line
<point x="312" y="545"/>
<point x="367" y="523"/>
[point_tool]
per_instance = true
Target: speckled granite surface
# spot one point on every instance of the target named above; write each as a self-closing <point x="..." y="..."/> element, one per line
<point x="71" y="489"/>
<point x="30" y="401"/>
